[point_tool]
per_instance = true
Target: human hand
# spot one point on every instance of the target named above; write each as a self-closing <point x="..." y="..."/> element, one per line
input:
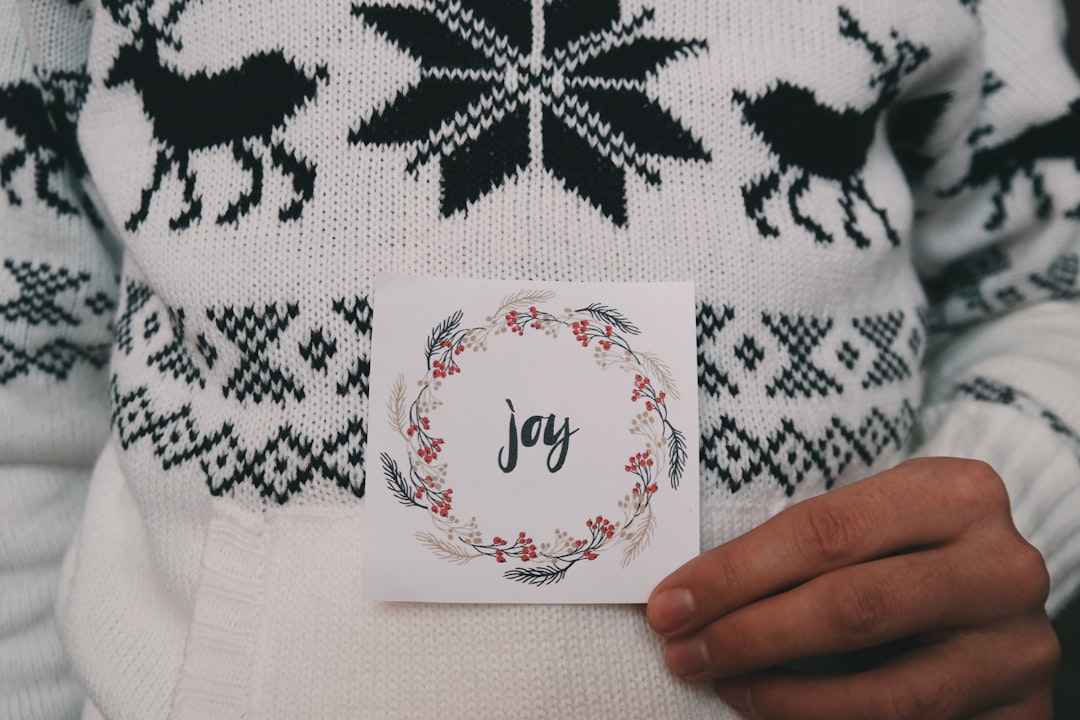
<point x="926" y="551"/>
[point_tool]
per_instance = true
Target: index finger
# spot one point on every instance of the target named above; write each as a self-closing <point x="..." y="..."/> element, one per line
<point x="918" y="504"/>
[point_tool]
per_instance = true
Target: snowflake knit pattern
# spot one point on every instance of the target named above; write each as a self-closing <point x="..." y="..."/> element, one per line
<point x="878" y="203"/>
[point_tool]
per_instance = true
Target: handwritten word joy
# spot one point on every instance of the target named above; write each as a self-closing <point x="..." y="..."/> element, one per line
<point x="558" y="439"/>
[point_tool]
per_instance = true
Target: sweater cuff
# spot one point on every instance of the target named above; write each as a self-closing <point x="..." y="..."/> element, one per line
<point x="1041" y="470"/>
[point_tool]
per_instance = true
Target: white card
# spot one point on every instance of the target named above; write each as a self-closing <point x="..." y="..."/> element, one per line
<point x="530" y="442"/>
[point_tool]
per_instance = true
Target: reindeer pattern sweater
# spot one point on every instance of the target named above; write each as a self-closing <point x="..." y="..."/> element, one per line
<point x="878" y="203"/>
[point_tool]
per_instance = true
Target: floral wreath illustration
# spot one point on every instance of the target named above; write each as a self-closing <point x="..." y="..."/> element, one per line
<point x="425" y="484"/>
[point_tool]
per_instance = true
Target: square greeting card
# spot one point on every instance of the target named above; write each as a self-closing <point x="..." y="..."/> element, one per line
<point x="530" y="442"/>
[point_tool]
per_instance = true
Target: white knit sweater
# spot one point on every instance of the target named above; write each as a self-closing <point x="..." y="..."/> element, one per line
<point x="878" y="203"/>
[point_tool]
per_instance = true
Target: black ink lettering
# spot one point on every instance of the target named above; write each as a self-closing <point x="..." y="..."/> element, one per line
<point x="557" y="439"/>
<point x="530" y="431"/>
<point x="511" y="453"/>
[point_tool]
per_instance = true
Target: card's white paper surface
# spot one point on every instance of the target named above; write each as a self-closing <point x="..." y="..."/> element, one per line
<point x="505" y="427"/>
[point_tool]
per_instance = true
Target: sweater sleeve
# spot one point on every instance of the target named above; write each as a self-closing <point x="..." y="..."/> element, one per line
<point x="998" y="242"/>
<point x="57" y="296"/>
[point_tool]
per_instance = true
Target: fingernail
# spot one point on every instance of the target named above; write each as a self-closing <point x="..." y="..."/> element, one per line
<point x="671" y="610"/>
<point x="688" y="656"/>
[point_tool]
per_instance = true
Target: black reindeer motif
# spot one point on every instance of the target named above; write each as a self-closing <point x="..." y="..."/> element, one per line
<point x="1058" y="139"/>
<point x="813" y="140"/>
<point x="239" y="108"/>
<point x="38" y="115"/>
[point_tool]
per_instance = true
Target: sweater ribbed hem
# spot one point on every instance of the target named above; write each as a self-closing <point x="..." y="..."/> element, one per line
<point x="279" y="628"/>
<point x="221" y="645"/>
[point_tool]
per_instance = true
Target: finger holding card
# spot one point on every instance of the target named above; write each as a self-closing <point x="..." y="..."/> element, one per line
<point x="946" y="585"/>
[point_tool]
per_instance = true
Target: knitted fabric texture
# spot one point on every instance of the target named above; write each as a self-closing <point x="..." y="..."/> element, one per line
<point x="878" y="203"/>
